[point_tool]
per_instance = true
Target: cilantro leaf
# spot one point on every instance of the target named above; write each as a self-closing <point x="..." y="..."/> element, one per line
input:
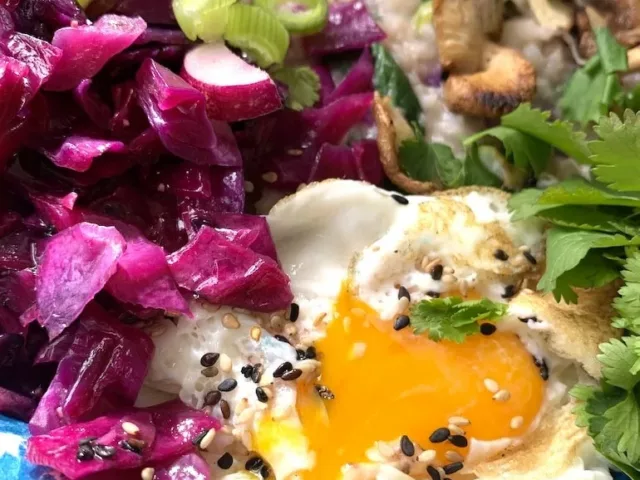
<point x="577" y="191"/>
<point x="617" y="152"/>
<point x="303" y="84"/>
<point x="559" y="134"/>
<point x="583" y="217"/>
<point x="612" y="55"/>
<point x="524" y="204"/>
<point x="430" y="162"/>
<point x="617" y="358"/>
<point x="475" y="171"/>
<point x="524" y="150"/>
<point x="584" y="97"/>
<point x="453" y="319"/>
<point x="627" y="304"/>
<point x="566" y="248"/>
<point x="391" y="81"/>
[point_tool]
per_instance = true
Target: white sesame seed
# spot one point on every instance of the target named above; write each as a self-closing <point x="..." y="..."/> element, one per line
<point x="455" y="429"/>
<point x="449" y="279"/>
<point x="241" y="406"/>
<point x="519" y="260"/>
<point x="225" y="363"/>
<point x="256" y="333"/>
<point x="502" y="396"/>
<point x="249" y="187"/>
<point x="207" y="439"/>
<point x="147" y="473"/>
<point x="453" y="456"/>
<point x="357" y="312"/>
<point x="130" y="428"/>
<point x="516" y="422"/>
<point x="277" y="322"/>
<point x="385" y="449"/>
<point x="358" y="349"/>
<point x="402" y="305"/>
<point x="448" y="270"/>
<point x="346" y="324"/>
<point x="460" y="421"/>
<point x="270" y="177"/>
<point x="229" y="320"/>
<point x="308" y="366"/>
<point x="427" y="456"/>
<point x="491" y="385"/>
<point x="523" y="248"/>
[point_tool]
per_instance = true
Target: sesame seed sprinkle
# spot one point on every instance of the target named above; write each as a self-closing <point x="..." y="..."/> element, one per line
<point x="427" y="456"/>
<point x="207" y="439"/>
<point x="501" y="255"/>
<point x="292" y="374"/>
<point x="282" y="369"/>
<point x="406" y="446"/>
<point x="488" y="329"/>
<point x="255" y="333"/>
<point x="265" y="472"/>
<point x="227" y="385"/>
<point x="433" y="294"/>
<point x="225" y="461"/>
<point x="262" y="395"/>
<point x="436" y="271"/>
<point x="254" y="464"/>
<point x="256" y="375"/>
<point x="130" y="428"/>
<point x="516" y="422"/>
<point x="400" y="199"/>
<point x="229" y="320"/>
<point x="509" y="291"/>
<point x="527" y="319"/>
<point x="209" y="372"/>
<point x="85" y="453"/>
<point x="294" y="312"/>
<point x="449" y="279"/>
<point x="324" y="392"/>
<point x="530" y="258"/>
<point x="212" y="398"/>
<point x="247" y="370"/>
<point x="455" y="429"/>
<point x="225" y="363"/>
<point x="209" y="359"/>
<point x="452" y="468"/>
<point x="491" y="385"/>
<point x="225" y="409"/>
<point x="459" y="441"/>
<point x="311" y="353"/>
<point x="401" y="321"/>
<point x="403" y="293"/>
<point x="453" y="456"/>
<point x="439" y="435"/>
<point x="282" y="339"/>
<point x="502" y="395"/>
<point x="132" y="445"/>
<point x="104" y="451"/>
<point x="433" y="473"/>
<point x="147" y="473"/>
<point x="460" y="421"/>
<point x="270" y="177"/>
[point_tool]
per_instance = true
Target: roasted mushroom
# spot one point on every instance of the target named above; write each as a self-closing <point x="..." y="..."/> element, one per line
<point x="621" y="16"/>
<point x="485" y="79"/>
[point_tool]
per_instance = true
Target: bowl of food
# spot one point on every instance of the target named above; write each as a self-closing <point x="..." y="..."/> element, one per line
<point x="319" y="240"/>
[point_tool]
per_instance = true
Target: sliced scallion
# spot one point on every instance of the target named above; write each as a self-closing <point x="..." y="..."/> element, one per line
<point x="258" y="33"/>
<point x="204" y="19"/>
<point x="311" y="17"/>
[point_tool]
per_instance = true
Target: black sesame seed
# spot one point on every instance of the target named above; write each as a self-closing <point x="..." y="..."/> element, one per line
<point x="284" y="367"/>
<point x="209" y="359"/>
<point x="402" y="321"/>
<point x="262" y="395"/>
<point x="300" y="354"/>
<point x="324" y="392"/>
<point x="526" y="319"/>
<point x="265" y="472"/>
<point x="453" y="468"/>
<point x="403" y="293"/>
<point x="436" y="272"/>
<point x="440" y="435"/>
<point x="247" y="370"/>
<point x="199" y="437"/>
<point x="209" y="372"/>
<point x="212" y="398"/>
<point x="406" y="445"/>
<point x="87" y="441"/>
<point x="487" y="329"/>
<point x="501" y="255"/>
<point x="85" y="453"/>
<point x="225" y="409"/>
<point x="104" y="451"/>
<point x="433" y="473"/>
<point x="509" y="291"/>
<point x="542" y="367"/>
<point x="459" y="441"/>
<point x="132" y="447"/>
<point x="225" y="461"/>
<point x="257" y="373"/>
<point x="433" y="294"/>
<point x="227" y="385"/>
<point x="282" y="339"/>
<point x="292" y="374"/>
<point x="400" y="199"/>
<point x="294" y="312"/>
<point x="254" y="464"/>
<point x="527" y="254"/>
<point x="311" y="353"/>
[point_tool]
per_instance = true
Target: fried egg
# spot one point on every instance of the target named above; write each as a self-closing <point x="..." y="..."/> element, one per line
<point x="348" y="396"/>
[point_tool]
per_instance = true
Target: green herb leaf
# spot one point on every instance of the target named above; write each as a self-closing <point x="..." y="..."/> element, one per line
<point x="453" y="319"/>
<point x="524" y="150"/>
<point x="578" y="191"/>
<point x="476" y="173"/>
<point x="430" y="162"/>
<point x="613" y="56"/>
<point x="303" y="84"/>
<point x="559" y="134"/>
<point x="391" y="81"/>
<point x="628" y="303"/>
<point x="617" y="152"/>
<point x="524" y="204"/>
<point x="582" y="217"/>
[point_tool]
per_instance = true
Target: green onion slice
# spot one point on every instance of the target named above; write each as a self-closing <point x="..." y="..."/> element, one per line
<point x="204" y="19"/>
<point x="310" y="19"/>
<point x="258" y="33"/>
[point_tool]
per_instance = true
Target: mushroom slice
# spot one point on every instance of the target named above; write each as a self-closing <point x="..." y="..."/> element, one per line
<point x="506" y="80"/>
<point x="391" y="127"/>
<point x="552" y="14"/>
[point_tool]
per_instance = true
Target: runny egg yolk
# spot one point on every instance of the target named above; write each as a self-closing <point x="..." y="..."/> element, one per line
<point x="391" y="383"/>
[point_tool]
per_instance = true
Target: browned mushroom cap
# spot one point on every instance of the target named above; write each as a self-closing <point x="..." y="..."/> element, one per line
<point x="621" y="16"/>
<point x="387" y="122"/>
<point x="506" y="81"/>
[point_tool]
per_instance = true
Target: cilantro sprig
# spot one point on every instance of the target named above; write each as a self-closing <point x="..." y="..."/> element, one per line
<point x="452" y="318"/>
<point x="303" y="85"/>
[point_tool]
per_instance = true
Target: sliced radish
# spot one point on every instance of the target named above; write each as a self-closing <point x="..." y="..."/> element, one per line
<point x="234" y="89"/>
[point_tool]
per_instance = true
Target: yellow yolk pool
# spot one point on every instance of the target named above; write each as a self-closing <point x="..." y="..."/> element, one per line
<point x="388" y="384"/>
